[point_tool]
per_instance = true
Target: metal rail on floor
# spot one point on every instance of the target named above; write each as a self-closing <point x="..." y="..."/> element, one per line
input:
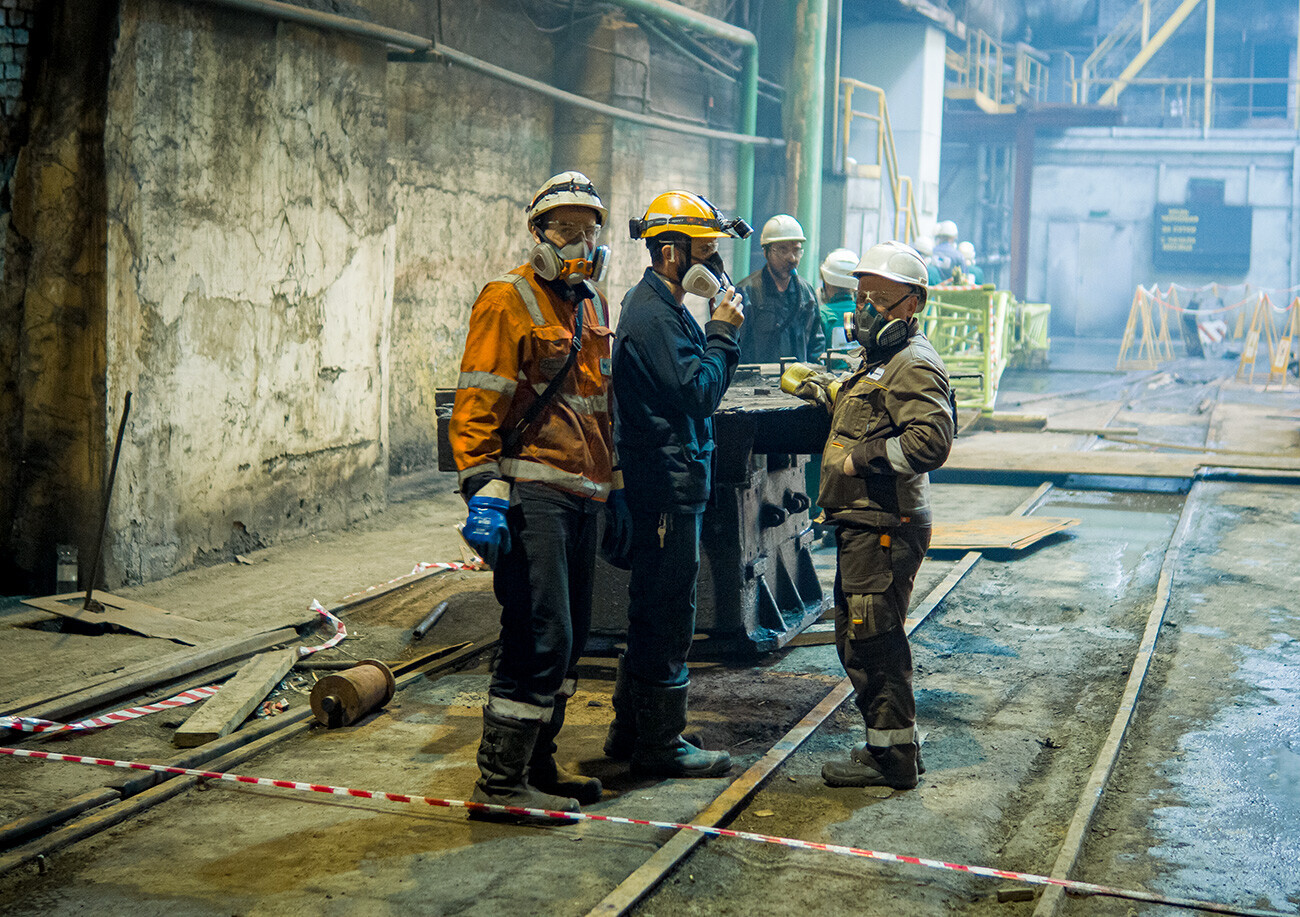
<point x="725" y="807"/>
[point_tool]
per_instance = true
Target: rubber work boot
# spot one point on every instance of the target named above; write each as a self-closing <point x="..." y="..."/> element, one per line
<point x="660" y="748"/>
<point x="548" y="776"/>
<point x="621" y="740"/>
<point x="863" y="768"/>
<point x="503" y="772"/>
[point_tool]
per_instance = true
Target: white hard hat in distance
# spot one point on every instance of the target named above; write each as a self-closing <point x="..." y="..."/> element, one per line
<point x="782" y="228"/>
<point x="946" y="230"/>
<point x="837" y="268"/>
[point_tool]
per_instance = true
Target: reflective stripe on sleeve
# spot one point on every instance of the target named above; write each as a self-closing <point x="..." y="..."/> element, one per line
<point x="488" y="381"/>
<point x="468" y="473"/>
<point x="525" y="291"/>
<point x="897" y="460"/>
<point x="524" y="470"/>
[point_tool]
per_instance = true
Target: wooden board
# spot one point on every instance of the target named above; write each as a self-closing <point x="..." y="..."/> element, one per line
<point x="1056" y="453"/>
<point x="131" y="615"/>
<point x="996" y="532"/>
<point x="224" y="711"/>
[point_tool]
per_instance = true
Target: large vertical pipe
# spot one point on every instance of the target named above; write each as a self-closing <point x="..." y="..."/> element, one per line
<point x="1022" y="187"/>
<point x="1209" y="64"/>
<point x="808" y="102"/>
<point x="690" y="19"/>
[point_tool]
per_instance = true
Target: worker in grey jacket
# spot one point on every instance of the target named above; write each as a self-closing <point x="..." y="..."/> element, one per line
<point x="892" y="423"/>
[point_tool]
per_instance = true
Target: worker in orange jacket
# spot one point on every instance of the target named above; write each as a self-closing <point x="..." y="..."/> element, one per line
<point x="532" y="440"/>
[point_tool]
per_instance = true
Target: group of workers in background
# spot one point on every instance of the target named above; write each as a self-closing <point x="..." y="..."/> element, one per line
<point x="558" y="418"/>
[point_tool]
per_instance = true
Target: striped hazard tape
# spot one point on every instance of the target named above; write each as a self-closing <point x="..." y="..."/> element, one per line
<point x="422" y="567"/>
<point x="340" y="631"/>
<point x="36" y="724"/>
<point x="1070" y="885"/>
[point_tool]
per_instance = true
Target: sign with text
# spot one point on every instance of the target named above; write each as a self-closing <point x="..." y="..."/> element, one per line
<point x="1202" y="238"/>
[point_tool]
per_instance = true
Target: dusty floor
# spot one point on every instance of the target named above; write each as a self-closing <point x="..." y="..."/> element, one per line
<point x="1019" y="673"/>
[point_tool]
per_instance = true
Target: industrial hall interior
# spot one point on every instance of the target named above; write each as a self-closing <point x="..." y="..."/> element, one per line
<point x="674" y="458"/>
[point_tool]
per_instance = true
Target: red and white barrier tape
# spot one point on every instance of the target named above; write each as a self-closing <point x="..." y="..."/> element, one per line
<point x="1070" y="885"/>
<point x="339" y="632"/>
<point x="419" y="568"/>
<point x="36" y="724"/>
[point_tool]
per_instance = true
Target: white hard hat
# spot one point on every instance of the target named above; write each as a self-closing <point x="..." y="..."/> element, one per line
<point x="946" y="230"/>
<point x="563" y="190"/>
<point x="967" y="250"/>
<point x="924" y="245"/>
<point x="895" y="261"/>
<point x="782" y="228"/>
<point x="837" y="268"/>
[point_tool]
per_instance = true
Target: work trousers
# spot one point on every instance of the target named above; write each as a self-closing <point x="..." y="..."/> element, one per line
<point x="874" y="576"/>
<point x="544" y="586"/>
<point x="661" y="596"/>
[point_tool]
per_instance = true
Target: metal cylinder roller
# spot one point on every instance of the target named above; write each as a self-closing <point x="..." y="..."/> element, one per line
<point x="343" y="699"/>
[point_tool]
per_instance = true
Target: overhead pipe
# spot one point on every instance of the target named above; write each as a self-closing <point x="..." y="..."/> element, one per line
<point x="748" y="42"/>
<point x="420" y="48"/>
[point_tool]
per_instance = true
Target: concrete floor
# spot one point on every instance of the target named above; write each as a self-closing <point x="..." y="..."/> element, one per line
<point x="1019" y="673"/>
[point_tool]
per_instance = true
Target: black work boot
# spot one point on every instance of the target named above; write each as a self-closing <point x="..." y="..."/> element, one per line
<point x="503" y="768"/>
<point x="621" y="739"/>
<point x="660" y="749"/>
<point x="545" y="774"/>
<point x="895" y="767"/>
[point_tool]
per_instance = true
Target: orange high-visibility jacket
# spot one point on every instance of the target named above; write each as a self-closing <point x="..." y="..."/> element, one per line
<point x="519" y="338"/>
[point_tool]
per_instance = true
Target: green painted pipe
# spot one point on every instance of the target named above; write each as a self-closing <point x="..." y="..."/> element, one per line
<point x="717" y="28"/>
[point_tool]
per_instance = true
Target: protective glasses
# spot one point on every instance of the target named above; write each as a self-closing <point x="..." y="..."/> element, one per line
<point x="874" y="297"/>
<point x="569" y="232"/>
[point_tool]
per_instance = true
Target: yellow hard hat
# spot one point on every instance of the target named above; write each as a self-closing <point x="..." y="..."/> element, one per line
<point x="689" y="214"/>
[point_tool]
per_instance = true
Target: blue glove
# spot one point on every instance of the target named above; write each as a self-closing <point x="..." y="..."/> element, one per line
<point x="486" y="530"/>
<point x="616" y="543"/>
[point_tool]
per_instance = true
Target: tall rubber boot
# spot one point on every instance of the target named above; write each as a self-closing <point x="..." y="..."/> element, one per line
<point x="621" y="740"/>
<point x="545" y="774"/>
<point x="660" y="749"/>
<point x="503" y="772"/>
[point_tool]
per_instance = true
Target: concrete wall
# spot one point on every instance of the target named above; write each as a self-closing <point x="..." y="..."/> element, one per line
<point x="271" y="235"/>
<point x="250" y="250"/>
<point x="906" y="60"/>
<point x="1092" y="226"/>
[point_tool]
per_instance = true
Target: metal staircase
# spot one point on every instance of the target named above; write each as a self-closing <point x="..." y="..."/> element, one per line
<point x="1128" y="48"/>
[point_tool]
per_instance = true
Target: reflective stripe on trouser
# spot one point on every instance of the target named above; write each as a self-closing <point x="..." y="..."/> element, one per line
<point x="544" y="586"/>
<point x="873" y="585"/>
<point x="661" y="597"/>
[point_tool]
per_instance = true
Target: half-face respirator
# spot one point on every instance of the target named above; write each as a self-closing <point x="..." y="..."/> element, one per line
<point x="571" y="264"/>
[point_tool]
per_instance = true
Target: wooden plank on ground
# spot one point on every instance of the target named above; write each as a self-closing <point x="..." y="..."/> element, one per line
<point x="131" y="615"/>
<point x="995" y="532"/>
<point x="224" y="711"/>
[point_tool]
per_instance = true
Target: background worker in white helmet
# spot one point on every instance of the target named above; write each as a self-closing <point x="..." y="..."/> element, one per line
<point x="892" y="423"/>
<point x="947" y="256"/>
<point x="669" y="377"/>
<point x="532" y="437"/>
<point x="782" y="318"/>
<point x="924" y="246"/>
<point x="836" y="295"/>
<point x="973" y="270"/>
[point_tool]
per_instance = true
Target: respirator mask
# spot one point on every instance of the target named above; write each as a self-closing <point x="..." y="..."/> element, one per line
<point x="572" y="264"/>
<point x="705" y="278"/>
<point x="880" y="335"/>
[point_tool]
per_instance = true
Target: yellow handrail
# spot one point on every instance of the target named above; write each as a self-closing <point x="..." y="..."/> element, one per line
<point x="907" y="219"/>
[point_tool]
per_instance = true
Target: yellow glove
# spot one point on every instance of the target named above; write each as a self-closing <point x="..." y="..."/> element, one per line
<point x="811" y="383"/>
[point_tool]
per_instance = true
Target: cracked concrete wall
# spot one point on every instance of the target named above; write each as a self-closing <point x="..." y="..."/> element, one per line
<point x="468" y="152"/>
<point x="250" y="251"/>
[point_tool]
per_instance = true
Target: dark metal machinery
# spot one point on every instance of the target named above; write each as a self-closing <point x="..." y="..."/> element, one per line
<point x="757" y="586"/>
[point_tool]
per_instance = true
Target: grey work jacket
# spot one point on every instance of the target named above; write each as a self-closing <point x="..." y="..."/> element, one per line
<point x="894" y="418"/>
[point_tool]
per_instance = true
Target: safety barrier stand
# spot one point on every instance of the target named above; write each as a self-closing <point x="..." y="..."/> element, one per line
<point x="1155" y="346"/>
<point x="1261" y="323"/>
<point x="1280" y="362"/>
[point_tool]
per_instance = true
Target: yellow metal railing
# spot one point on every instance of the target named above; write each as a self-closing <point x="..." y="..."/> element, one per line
<point x="997" y="81"/>
<point x="906" y="216"/>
